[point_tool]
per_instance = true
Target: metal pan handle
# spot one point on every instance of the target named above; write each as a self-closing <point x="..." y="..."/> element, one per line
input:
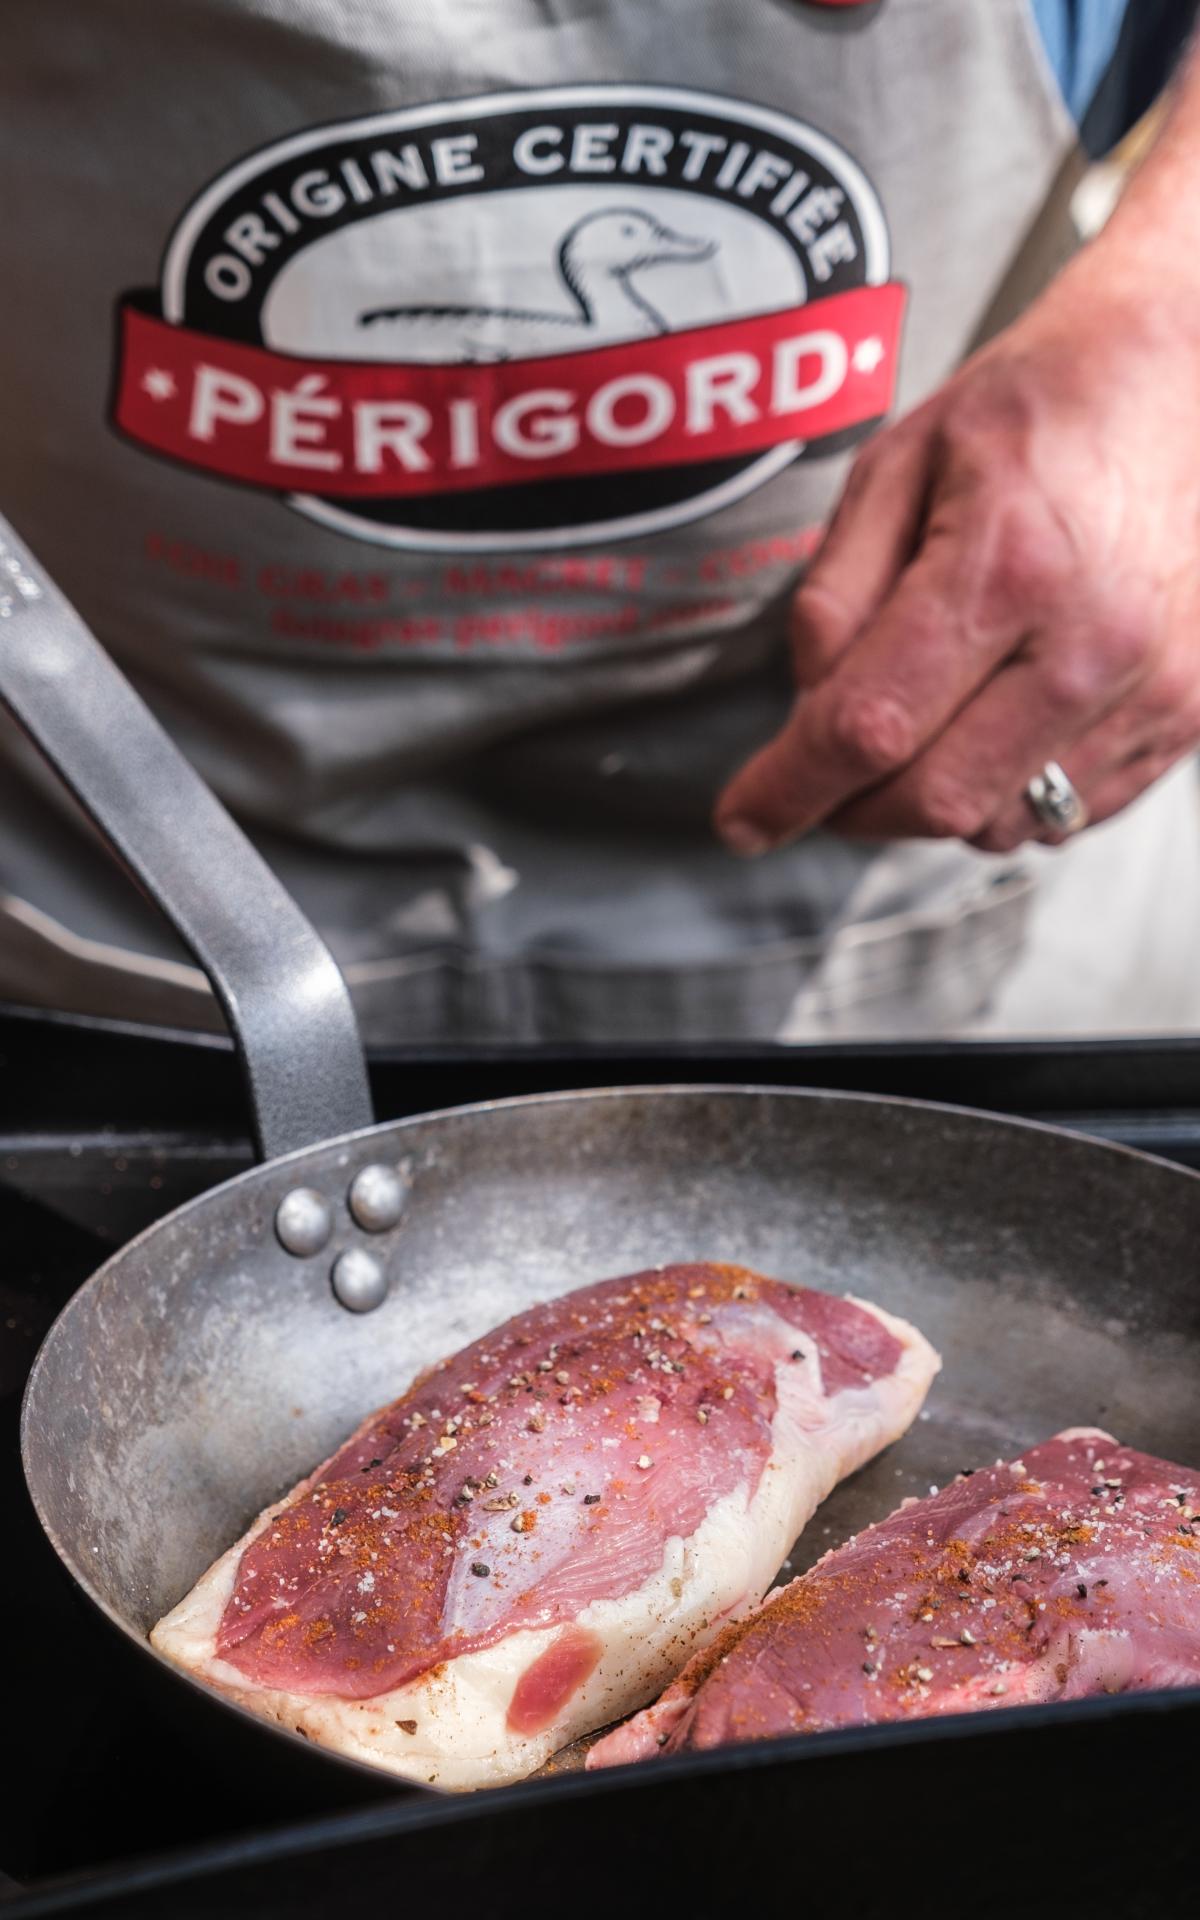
<point x="279" y="987"/>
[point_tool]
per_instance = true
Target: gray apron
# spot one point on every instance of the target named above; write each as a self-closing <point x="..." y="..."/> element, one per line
<point x="483" y="372"/>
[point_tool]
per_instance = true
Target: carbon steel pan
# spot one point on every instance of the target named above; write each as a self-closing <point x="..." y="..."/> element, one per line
<point x="203" y="1369"/>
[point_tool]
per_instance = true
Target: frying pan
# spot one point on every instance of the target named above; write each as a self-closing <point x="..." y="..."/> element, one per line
<point x="209" y="1364"/>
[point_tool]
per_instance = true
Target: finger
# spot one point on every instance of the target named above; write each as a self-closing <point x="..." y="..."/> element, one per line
<point x="1125" y="785"/>
<point x="868" y="543"/>
<point x="1120" y="783"/>
<point x="932" y="646"/>
<point x="1041" y="702"/>
<point x="1118" y="789"/>
<point x="1125" y="753"/>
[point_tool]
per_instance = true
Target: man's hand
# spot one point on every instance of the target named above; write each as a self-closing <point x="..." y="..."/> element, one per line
<point x="1013" y="574"/>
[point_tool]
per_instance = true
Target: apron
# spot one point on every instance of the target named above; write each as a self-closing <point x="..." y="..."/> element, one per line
<point x="432" y="409"/>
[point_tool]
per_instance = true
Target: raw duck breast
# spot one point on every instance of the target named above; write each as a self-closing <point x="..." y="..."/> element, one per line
<point x="1072" y="1571"/>
<point x="536" y="1536"/>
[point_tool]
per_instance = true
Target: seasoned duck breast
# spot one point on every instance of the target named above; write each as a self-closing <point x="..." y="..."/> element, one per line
<point x="538" y="1533"/>
<point x="1074" y="1570"/>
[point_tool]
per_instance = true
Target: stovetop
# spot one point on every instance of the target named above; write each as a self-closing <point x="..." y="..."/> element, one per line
<point x="101" y="1130"/>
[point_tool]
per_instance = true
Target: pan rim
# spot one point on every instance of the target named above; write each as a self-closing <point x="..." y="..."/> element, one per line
<point x="345" y="1827"/>
<point x="481" y="1109"/>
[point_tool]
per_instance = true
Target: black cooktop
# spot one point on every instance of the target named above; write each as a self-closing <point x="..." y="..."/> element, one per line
<point x="105" y="1806"/>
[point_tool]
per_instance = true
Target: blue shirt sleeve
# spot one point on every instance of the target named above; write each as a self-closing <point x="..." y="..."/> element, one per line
<point x="1081" y="38"/>
<point x="1112" y="57"/>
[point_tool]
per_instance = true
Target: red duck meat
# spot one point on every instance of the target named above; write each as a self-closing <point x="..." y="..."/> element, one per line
<point x="1074" y="1570"/>
<point x="539" y="1532"/>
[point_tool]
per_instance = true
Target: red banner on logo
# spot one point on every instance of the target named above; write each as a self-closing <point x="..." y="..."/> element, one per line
<point x="366" y="428"/>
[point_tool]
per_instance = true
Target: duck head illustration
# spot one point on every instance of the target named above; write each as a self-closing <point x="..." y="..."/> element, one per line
<point x="599" y="255"/>
<point x="597" y="260"/>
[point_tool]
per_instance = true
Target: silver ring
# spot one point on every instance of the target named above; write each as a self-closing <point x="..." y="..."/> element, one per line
<point x="1056" y="800"/>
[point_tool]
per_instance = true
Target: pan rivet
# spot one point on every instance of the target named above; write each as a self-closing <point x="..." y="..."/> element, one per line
<point x="359" y="1281"/>
<point x="376" y="1198"/>
<point x="304" y="1222"/>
